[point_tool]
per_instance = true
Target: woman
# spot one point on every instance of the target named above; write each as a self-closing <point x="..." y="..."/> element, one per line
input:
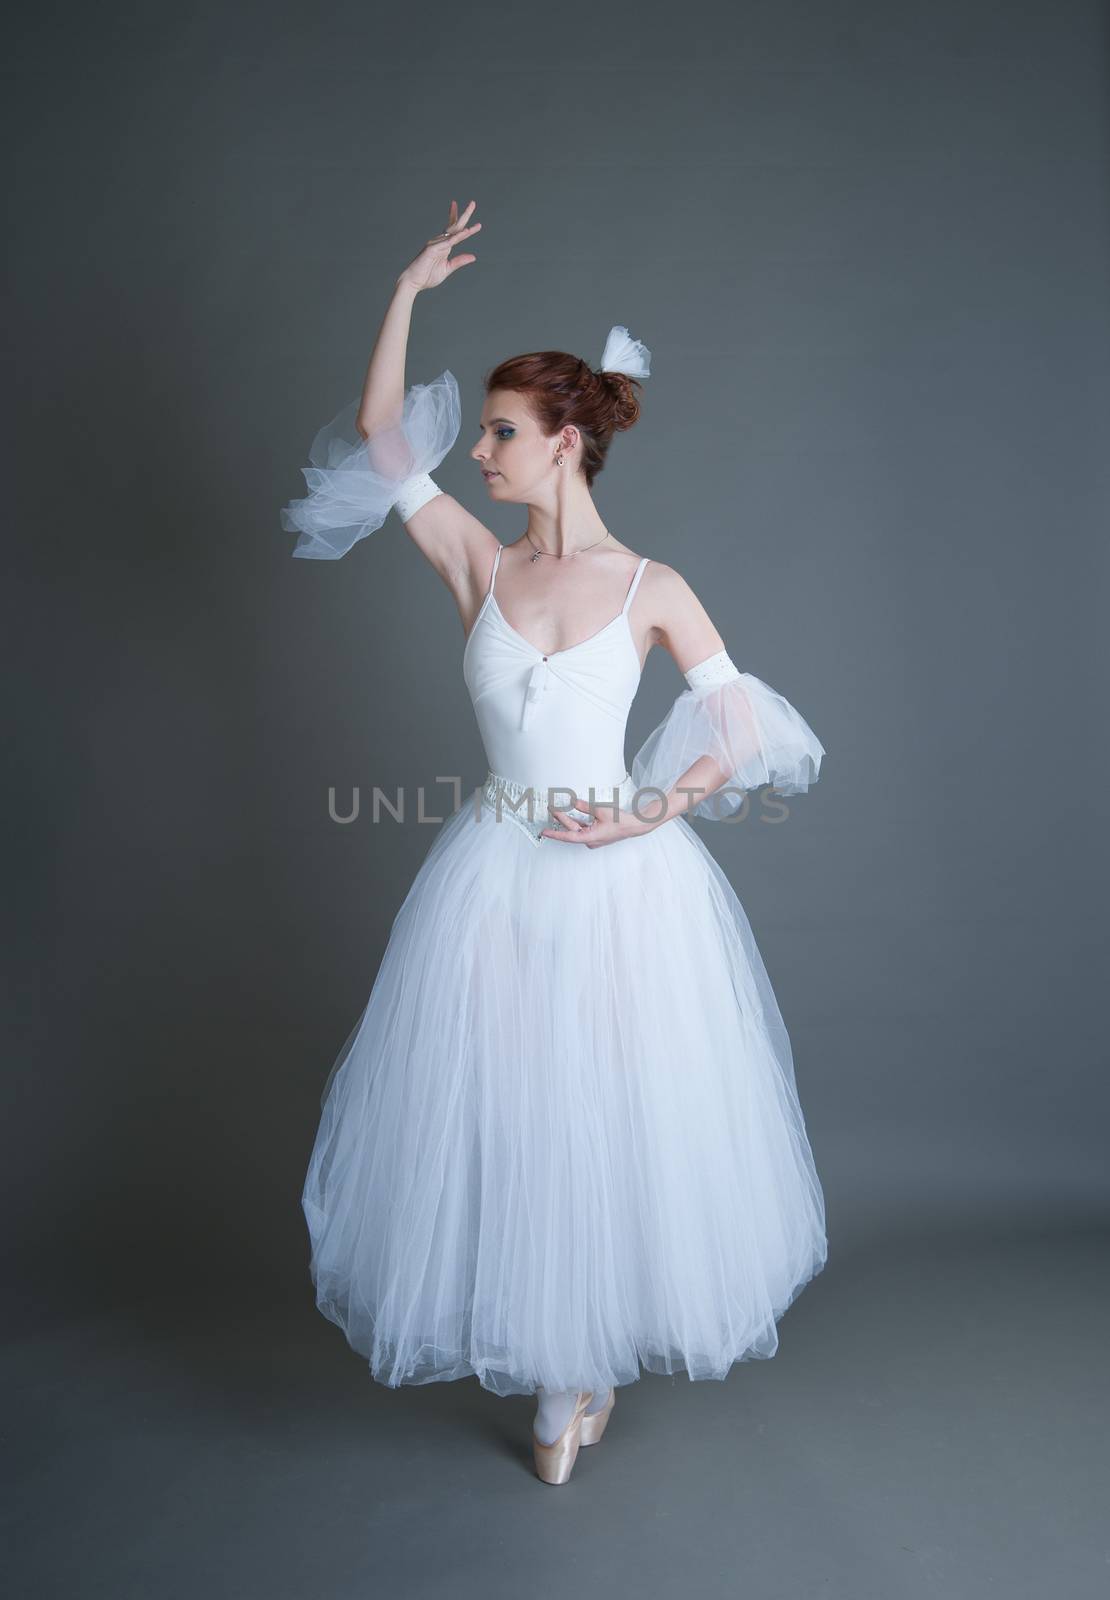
<point x="563" y="1140"/>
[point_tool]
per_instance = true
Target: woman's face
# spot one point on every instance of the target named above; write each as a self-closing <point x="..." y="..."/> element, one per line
<point x="516" y="459"/>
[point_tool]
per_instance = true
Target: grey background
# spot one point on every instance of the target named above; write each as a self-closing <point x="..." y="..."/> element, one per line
<point x="867" y="245"/>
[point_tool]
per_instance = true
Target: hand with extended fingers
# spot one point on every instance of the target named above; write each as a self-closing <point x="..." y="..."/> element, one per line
<point x="431" y="266"/>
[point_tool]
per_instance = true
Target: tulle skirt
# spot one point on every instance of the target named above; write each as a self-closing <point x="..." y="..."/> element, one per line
<point x="563" y="1141"/>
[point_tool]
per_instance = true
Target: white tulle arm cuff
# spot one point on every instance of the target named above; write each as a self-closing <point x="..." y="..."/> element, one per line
<point x="413" y="494"/>
<point x="353" y="482"/>
<point x="714" y="669"/>
<point x="752" y="735"/>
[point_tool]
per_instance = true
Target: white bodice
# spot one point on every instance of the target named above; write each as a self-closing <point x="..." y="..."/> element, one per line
<point x="556" y="720"/>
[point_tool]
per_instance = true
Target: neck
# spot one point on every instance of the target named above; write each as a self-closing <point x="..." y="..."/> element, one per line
<point x="566" y="523"/>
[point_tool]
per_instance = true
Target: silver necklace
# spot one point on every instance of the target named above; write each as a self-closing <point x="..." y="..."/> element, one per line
<point x="537" y="552"/>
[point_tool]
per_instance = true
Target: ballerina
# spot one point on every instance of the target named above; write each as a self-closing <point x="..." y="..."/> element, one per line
<point x="563" y="1141"/>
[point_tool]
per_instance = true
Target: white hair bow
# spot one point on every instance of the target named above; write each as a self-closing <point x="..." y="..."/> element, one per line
<point x="624" y="354"/>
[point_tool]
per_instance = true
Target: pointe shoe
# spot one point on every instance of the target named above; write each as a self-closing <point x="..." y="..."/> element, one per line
<point x="555" y="1460"/>
<point x="594" y="1426"/>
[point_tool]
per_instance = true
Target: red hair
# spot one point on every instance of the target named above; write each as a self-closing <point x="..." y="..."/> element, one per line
<point x="561" y="389"/>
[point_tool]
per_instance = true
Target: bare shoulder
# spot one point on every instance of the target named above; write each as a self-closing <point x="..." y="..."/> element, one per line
<point x="676" y="616"/>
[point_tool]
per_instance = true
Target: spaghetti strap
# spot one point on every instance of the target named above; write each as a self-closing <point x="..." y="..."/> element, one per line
<point x="493" y="570"/>
<point x="635" y="581"/>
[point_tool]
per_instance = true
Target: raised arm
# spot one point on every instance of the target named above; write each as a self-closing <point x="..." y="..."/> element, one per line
<point x="383" y="392"/>
<point x="379" y="451"/>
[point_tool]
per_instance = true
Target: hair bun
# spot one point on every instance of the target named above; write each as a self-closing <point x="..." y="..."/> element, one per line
<point x="625" y="404"/>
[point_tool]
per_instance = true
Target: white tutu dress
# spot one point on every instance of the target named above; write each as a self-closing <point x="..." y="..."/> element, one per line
<point x="563" y="1141"/>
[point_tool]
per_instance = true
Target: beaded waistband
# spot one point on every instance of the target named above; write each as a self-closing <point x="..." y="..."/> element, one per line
<point x="529" y="805"/>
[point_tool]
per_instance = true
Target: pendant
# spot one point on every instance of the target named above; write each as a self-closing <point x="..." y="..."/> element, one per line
<point x="535" y="556"/>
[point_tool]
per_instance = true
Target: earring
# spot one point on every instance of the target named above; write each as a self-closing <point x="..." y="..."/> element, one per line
<point x="558" y="461"/>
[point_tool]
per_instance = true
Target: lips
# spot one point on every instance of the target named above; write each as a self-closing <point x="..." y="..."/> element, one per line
<point x="489" y="475"/>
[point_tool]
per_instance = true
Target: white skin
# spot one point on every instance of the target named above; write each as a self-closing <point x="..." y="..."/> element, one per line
<point x="552" y="602"/>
